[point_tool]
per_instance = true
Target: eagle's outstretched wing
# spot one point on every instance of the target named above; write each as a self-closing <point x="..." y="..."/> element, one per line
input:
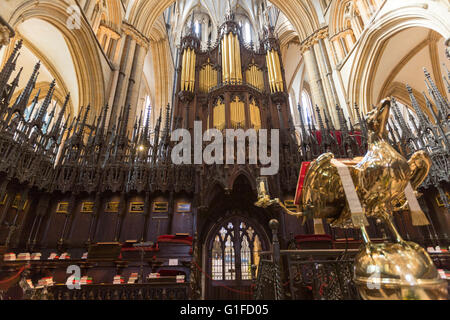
<point x="323" y="194"/>
<point x="420" y="164"/>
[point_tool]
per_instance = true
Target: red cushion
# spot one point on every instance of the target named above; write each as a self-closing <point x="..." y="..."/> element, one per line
<point x="175" y="239"/>
<point x="313" y="237"/>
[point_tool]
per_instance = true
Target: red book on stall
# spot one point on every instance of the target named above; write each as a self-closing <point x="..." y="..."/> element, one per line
<point x="301" y="180"/>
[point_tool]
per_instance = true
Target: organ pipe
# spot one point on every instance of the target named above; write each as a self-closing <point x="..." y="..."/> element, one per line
<point x="219" y="120"/>
<point x="269" y="70"/>
<point x="231" y="59"/>
<point x="192" y="73"/>
<point x="237" y="110"/>
<point x="255" y="115"/>
<point x="274" y="70"/>
<point x="183" y="70"/>
<point x="208" y="78"/>
<point x="254" y="77"/>
<point x="188" y="70"/>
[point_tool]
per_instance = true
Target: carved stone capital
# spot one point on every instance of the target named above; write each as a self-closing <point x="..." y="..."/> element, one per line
<point x="131" y="31"/>
<point x="313" y="39"/>
<point x="109" y="31"/>
<point x="4" y="36"/>
<point x="6" y="32"/>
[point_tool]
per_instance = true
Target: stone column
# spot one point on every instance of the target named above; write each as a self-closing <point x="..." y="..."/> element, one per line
<point x="325" y="83"/>
<point x="89" y="9"/>
<point x="125" y="67"/>
<point x="134" y="83"/>
<point x="329" y="80"/>
<point x="318" y="66"/>
<point x="317" y="91"/>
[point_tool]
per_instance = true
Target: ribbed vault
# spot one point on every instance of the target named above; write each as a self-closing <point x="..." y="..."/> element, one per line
<point x="301" y="13"/>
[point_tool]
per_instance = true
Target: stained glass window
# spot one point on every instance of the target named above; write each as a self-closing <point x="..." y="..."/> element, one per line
<point x="217" y="260"/>
<point x="246" y="259"/>
<point x="235" y="249"/>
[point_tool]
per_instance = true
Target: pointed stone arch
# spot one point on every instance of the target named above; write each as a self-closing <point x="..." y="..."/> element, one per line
<point x="373" y="40"/>
<point x="80" y="42"/>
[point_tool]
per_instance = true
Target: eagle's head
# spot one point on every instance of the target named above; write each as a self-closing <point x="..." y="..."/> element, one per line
<point x="378" y="118"/>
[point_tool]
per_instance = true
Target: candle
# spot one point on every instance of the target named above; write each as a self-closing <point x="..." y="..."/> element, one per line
<point x="262" y="188"/>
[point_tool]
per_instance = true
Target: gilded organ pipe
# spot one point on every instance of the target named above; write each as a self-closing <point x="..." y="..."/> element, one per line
<point x="192" y="78"/>
<point x="188" y="70"/>
<point x="255" y="116"/>
<point x="254" y="77"/>
<point x="183" y="70"/>
<point x="270" y="71"/>
<point x="207" y="73"/>
<point x="231" y="59"/>
<point x="225" y="70"/>
<point x="208" y="78"/>
<point x="237" y="59"/>
<point x="219" y="115"/>
<point x="237" y="113"/>
<point x="274" y="70"/>
<point x="253" y="72"/>
<point x="280" y="75"/>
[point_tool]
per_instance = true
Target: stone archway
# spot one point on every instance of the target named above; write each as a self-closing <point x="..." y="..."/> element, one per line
<point x="80" y="42"/>
<point x="373" y="41"/>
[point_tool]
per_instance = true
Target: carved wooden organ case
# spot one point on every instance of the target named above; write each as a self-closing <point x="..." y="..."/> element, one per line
<point x="231" y="85"/>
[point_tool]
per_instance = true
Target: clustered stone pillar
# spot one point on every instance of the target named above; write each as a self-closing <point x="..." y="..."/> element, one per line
<point x="328" y="73"/>
<point x="320" y="74"/>
<point x="315" y="81"/>
<point x="125" y="66"/>
<point x="134" y="83"/>
<point x="130" y="74"/>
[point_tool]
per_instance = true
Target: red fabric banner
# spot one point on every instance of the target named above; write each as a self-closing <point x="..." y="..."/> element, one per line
<point x="301" y="179"/>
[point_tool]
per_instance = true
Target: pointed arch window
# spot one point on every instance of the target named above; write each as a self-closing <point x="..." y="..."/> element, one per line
<point x="197" y="28"/>
<point x="307" y="109"/>
<point x="247" y="32"/>
<point x="234" y="250"/>
<point x="147" y="109"/>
